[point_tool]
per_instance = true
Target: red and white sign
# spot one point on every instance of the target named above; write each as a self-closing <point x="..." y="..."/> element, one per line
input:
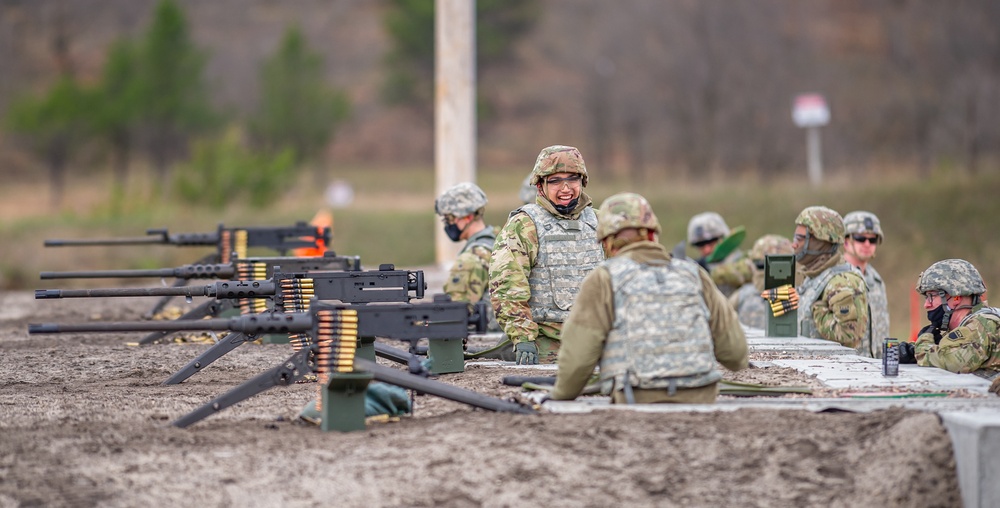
<point x="810" y="110"/>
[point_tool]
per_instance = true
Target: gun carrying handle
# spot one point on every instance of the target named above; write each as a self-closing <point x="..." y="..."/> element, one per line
<point x="161" y="232"/>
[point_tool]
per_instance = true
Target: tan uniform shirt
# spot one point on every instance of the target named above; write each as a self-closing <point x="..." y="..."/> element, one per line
<point x="592" y="317"/>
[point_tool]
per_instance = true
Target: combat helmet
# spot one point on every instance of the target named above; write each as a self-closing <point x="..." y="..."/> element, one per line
<point x="860" y="222"/>
<point x="956" y="277"/>
<point x="558" y="159"/>
<point x="625" y="210"/>
<point x="823" y="223"/>
<point x="769" y="245"/>
<point x="460" y="200"/>
<point x="706" y="226"/>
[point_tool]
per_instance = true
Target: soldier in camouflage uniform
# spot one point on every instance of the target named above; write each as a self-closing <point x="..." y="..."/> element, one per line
<point x="833" y="298"/>
<point x="655" y="323"/>
<point x="751" y="308"/>
<point x="704" y="232"/>
<point x="964" y="334"/>
<point x="862" y="235"/>
<point x="527" y="192"/>
<point x="461" y="210"/>
<point x="542" y="254"/>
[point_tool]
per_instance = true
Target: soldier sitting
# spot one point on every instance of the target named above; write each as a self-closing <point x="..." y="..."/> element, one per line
<point x="655" y="323"/>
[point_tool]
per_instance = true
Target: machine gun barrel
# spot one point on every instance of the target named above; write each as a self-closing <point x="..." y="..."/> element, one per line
<point x="135" y="240"/>
<point x="219" y="290"/>
<point x="192" y="271"/>
<point x="280" y="238"/>
<point x="265" y="323"/>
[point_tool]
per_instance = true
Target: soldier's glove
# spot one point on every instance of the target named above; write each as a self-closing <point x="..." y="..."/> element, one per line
<point x="906" y="353"/>
<point x="995" y="387"/>
<point x="526" y="353"/>
<point x="933" y="330"/>
<point x="782" y="299"/>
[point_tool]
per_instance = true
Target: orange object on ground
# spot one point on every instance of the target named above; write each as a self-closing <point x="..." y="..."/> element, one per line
<point x="322" y="219"/>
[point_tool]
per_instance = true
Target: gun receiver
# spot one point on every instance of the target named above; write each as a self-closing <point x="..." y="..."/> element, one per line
<point x="279" y="238"/>
<point x="261" y="267"/>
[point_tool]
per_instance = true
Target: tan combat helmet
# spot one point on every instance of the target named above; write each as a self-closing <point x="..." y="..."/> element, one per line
<point x="823" y="223"/>
<point x="769" y="245"/>
<point x="558" y="159"/>
<point x="623" y="211"/>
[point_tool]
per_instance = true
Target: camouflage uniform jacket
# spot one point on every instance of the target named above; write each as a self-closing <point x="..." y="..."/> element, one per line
<point x="468" y="280"/>
<point x="878" y="304"/>
<point x="534" y="277"/>
<point x="749" y="306"/>
<point x="973" y="345"/>
<point x="594" y="315"/>
<point x="833" y="305"/>
<point x="732" y="272"/>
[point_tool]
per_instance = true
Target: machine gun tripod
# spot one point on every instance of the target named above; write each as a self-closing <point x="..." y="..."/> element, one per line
<point x="332" y="354"/>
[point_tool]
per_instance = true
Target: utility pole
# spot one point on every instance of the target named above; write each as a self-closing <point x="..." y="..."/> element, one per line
<point x="454" y="105"/>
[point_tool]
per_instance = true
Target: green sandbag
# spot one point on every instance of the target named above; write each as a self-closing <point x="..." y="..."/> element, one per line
<point x="380" y="399"/>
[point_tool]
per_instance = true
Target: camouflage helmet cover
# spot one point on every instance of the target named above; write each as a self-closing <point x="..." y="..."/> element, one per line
<point x="770" y="245"/>
<point x="558" y="159"/>
<point x="625" y="210"/>
<point x="823" y="223"/>
<point x="861" y="222"/>
<point x="957" y="277"/>
<point x="460" y="200"/>
<point x="706" y="226"/>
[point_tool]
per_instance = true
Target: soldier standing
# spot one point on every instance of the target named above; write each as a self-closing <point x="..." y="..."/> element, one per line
<point x="964" y="333"/>
<point x="750" y="307"/>
<point x="862" y="236"/>
<point x="832" y="297"/>
<point x="704" y="232"/>
<point x="655" y="323"/>
<point x="542" y="254"/>
<point x="461" y="209"/>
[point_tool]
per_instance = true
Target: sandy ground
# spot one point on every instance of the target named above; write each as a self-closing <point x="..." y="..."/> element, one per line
<point x="85" y="422"/>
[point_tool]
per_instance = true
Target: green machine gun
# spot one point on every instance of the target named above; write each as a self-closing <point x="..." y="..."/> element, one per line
<point x="332" y="353"/>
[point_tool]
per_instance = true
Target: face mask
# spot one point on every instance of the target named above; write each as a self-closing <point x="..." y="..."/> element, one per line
<point x="936" y="316"/>
<point x="453" y="232"/>
<point x="566" y="209"/>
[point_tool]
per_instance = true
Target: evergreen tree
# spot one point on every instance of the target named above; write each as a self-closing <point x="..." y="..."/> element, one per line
<point x="171" y="91"/>
<point x="297" y="109"/>
<point x="53" y="125"/>
<point x="410" y="61"/>
<point x="117" y="106"/>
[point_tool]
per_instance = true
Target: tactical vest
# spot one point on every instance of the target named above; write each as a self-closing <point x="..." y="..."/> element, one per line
<point x="878" y="306"/>
<point x="750" y="307"/>
<point x="810" y="291"/>
<point x="484" y="238"/>
<point x="567" y="252"/>
<point x="660" y="337"/>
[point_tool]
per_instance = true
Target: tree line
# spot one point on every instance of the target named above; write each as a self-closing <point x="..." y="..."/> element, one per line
<point x="152" y="99"/>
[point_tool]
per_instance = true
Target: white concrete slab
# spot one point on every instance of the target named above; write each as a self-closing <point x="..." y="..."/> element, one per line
<point x="976" y="440"/>
<point x="858" y="372"/>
